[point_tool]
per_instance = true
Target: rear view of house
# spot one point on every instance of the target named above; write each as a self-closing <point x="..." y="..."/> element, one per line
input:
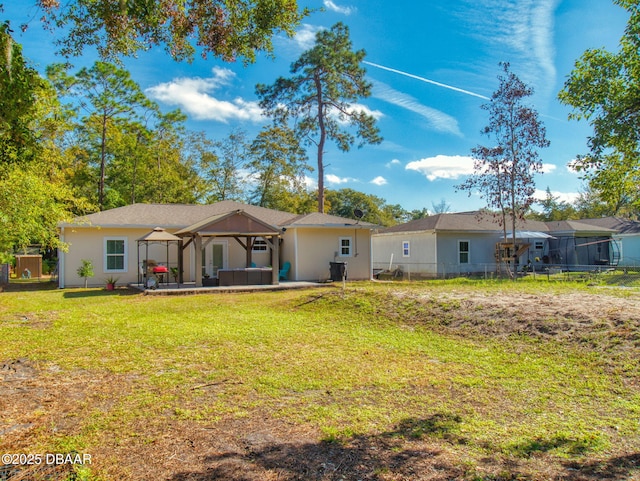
<point x="202" y="241"/>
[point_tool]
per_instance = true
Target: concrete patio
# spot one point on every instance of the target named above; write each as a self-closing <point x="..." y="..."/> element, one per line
<point x="173" y="289"/>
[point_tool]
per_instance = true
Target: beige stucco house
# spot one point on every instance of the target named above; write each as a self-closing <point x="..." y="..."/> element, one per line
<point x="213" y="242"/>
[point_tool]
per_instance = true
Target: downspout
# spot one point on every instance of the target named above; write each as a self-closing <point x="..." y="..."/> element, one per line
<point x="296" y="261"/>
<point x="61" y="261"/>
<point x="370" y="255"/>
<point x="435" y="252"/>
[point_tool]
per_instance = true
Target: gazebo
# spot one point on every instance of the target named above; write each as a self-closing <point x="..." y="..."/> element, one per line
<point x="245" y="229"/>
<point x="157" y="267"/>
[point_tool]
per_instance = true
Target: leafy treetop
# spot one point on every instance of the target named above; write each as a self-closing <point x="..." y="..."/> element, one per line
<point x="228" y="29"/>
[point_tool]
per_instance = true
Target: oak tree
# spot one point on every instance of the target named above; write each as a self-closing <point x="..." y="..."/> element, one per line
<point x="604" y="89"/>
<point x="228" y="29"/>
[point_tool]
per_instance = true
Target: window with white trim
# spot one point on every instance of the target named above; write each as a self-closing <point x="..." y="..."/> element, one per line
<point x="259" y="245"/>
<point x="463" y="251"/>
<point x="115" y="254"/>
<point x="345" y="246"/>
<point x="406" y="251"/>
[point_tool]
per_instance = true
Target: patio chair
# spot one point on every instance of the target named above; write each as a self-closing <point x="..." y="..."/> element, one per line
<point x="284" y="271"/>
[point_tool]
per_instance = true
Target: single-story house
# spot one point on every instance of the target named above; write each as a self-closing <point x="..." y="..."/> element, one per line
<point x="468" y="242"/>
<point x="216" y="241"/>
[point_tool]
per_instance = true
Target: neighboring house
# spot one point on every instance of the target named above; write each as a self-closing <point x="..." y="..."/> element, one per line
<point x="205" y="240"/>
<point x="467" y="242"/>
<point x="627" y="235"/>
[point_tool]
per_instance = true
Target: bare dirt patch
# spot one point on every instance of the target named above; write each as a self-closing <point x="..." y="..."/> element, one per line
<point x="600" y="321"/>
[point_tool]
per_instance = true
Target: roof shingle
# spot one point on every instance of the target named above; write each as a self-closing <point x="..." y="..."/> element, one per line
<point x="180" y="216"/>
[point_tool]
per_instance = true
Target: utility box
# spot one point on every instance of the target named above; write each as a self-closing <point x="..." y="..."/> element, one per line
<point x="28" y="266"/>
<point x="338" y="270"/>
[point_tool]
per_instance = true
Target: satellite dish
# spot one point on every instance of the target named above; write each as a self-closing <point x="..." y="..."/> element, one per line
<point x="358" y="213"/>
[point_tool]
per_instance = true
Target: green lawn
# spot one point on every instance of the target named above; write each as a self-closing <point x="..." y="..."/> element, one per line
<point x="114" y="374"/>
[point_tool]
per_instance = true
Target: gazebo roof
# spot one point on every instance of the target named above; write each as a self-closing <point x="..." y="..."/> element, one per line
<point x="159" y="235"/>
<point x="236" y="223"/>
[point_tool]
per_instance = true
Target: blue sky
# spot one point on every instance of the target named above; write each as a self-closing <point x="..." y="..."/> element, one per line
<point x="432" y="64"/>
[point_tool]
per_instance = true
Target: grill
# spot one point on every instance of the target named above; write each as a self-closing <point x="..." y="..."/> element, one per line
<point x="158" y="276"/>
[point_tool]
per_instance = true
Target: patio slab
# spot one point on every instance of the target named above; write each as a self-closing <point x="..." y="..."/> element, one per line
<point x="173" y="289"/>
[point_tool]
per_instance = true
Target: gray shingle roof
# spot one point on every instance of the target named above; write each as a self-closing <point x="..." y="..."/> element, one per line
<point x="315" y="218"/>
<point x="622" y="226"/>
<point x="179" y="216"/>
<point x="462" y="222"/>
<point x="577" y="226"/>
<point x="473" y="222"/>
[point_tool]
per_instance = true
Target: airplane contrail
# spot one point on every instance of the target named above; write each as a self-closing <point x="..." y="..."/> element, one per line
<point x="433" y="82"/>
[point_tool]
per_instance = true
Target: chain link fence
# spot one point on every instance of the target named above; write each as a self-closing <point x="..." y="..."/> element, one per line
<point x="597" y="274"/>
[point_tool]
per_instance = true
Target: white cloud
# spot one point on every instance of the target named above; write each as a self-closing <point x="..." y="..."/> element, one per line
<point x="442" y="166"/>
<point x="568" y="197"/>
<point x="436" y="119"/>
<point x="392" y="163"/>
<point x="305" y="38"/>
<point x="310" y="182"/>
<point x="548" y="168"/>
<point x="523" y="30"/>
<point x="376" y="114"/>
<point x="194" y="96"/>
<point x="334" y="179"/>
<point x="337" y="8"/>
<point x="379" y="181"/>
<point x="574" y="166"/>
<point x="342" y="117"/>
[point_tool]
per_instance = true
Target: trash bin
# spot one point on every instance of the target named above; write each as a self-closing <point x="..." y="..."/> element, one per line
<point x="338" y="270"/>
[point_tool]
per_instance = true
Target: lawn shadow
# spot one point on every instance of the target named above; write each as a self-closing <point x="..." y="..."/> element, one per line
<point x="415" y="450"/>
<point x="397" y="454"/>
<point x="28" y="285"/>
<point x="440" y="425"/>
<point x="616" y="468"/>
<point x="119" y="291"/>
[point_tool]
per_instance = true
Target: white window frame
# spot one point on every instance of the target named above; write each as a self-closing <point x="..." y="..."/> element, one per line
<point x="259" y="245"/>
<point x="406" y="249"/>
<point x="348" y="247"/>
<point x="468" y="251"/>
<point x="125" y="254"/>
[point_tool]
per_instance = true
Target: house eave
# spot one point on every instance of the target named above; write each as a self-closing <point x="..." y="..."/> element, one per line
<point x="70" y="225"/>
<point x="328" y="226"/>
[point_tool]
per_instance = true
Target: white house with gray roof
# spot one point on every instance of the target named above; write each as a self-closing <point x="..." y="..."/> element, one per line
<point x="471" y="243"/>
<point x="206" y="241"/>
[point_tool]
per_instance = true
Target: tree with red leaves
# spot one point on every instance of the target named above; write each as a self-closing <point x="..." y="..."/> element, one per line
<point x="503" y="173"/>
